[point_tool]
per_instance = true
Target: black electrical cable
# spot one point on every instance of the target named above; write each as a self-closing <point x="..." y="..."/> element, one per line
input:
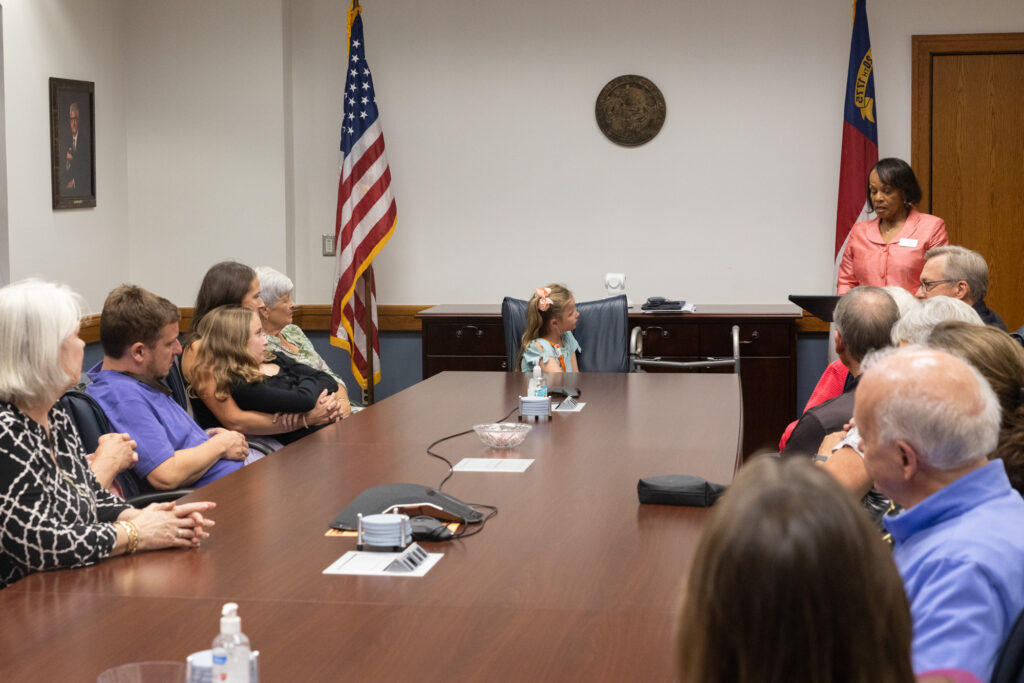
<point x="451" y="468"/>
<point x="466" y="533"/>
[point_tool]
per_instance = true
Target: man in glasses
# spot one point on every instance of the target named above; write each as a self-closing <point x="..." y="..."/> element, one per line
<point x="961" y="274"/>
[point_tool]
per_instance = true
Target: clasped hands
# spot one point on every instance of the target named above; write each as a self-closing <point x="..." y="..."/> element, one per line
<point x="329" y="408"/>
<point x="169" y="525"/>
<point x="114" y="451"/>
<point x="232" y="444"/>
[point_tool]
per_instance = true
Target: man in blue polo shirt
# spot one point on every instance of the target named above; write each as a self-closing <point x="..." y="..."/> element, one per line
<point x="928" y="422"/>
<point x="139" y="334"/>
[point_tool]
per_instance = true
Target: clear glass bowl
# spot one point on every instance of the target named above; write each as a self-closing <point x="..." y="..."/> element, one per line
<point x="502" y="434"/>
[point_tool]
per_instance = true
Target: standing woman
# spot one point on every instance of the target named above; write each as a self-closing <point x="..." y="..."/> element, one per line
<point x="53" y="513"/>
<point x="889" y="250"/>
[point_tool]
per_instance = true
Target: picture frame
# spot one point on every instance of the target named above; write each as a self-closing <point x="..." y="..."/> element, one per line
<point x="72" y="143"/>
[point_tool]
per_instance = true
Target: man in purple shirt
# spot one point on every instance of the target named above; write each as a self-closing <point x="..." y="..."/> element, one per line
<point x="139" y="334"/>
<point x="928" y="423"/>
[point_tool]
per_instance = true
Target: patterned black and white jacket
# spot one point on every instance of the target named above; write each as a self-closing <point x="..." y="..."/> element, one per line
<point x="51" y="517"/>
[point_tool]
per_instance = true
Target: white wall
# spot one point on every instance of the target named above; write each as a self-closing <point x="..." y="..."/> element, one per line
<point x="83" y="40"/>
<point x="5" y="260"/>
<point x="503" y="180"/>
<point x="205" y="138"/>
<point x="218" y="134"/>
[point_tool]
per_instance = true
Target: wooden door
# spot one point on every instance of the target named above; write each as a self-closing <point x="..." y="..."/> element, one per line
<point x="968" y="151"/>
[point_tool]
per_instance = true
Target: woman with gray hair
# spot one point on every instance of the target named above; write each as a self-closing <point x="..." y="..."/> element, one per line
<point x="282" y="335"/>
<point x="53" y="512"/>
<point x="917" y="324"/>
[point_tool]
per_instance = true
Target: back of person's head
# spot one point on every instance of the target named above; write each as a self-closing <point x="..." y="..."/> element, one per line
<point x="963" y="264"/>
<point x="933" y="401"/>
<point x="917" y="324"/>
<point x="905" y="301"/>
<point x="791" y="583"/>
<point x="225" y="284"/>
<point x="864" y="318"/>
<point x="1000" y="360"/>
<point x="546" y="304"/>
<point x="273" y="285"/>
<point x="898" y="174"/>
<point x="35" y="319"/>
<point x="132" y="314"/>
<point x="223" y="354"/>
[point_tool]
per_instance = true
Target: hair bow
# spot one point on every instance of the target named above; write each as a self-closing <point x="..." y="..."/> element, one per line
<point x="543" y="297"/>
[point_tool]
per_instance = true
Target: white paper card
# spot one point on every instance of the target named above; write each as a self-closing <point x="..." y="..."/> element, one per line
<point x="907" y="242"/>
<point x="493" y="464"/>
<point x="368" y="563"/>
<point x="576" y="409"/>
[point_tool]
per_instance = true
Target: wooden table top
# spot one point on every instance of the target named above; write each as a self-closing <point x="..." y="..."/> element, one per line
<point x="572" y="580"/>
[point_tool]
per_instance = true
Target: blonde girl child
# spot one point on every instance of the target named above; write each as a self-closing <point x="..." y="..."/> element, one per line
<point x="551" y="317"/>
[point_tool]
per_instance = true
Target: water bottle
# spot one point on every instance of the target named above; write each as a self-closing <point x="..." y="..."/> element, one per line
<point x="231" y="648"/>
<point x="540" y="384"/>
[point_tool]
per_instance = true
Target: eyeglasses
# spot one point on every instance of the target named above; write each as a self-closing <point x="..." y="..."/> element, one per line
<point x="929" y="285"/>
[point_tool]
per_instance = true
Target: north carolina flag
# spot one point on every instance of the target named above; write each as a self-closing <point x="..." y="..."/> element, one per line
<point x="366" y="210"/>
<point x="860" y="132"/>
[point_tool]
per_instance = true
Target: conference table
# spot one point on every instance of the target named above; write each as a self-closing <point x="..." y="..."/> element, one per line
<point x="572" y="580"/>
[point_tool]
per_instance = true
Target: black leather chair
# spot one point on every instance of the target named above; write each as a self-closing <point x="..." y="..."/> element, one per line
<point x="176" y="381"/>
<point x="602" y="332"/>
<point x="513" y="318"/>
<point x="1010" y="663"/>
<point x="92" y="422"/>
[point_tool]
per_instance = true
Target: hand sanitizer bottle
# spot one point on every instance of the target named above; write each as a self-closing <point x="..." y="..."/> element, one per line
<point x="540" y="385"/>
<point x="231" y="648"/>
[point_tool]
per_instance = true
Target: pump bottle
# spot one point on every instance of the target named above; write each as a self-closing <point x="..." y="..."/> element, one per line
<point x="231" y="648"/>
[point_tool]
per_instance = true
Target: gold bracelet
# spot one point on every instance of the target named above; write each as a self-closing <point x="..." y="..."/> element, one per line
<point x="132" y="531"/>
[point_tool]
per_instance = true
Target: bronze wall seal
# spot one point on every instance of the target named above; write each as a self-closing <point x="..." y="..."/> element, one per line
<point x="630" y="110"/>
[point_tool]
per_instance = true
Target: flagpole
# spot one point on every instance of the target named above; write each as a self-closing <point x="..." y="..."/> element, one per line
<point x="368" y="328"/>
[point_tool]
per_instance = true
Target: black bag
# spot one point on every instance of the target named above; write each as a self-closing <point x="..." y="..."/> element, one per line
<point x="678" y="489"/>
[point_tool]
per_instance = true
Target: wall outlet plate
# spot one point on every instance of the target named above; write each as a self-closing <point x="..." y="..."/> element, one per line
<point x="327" y="244"/>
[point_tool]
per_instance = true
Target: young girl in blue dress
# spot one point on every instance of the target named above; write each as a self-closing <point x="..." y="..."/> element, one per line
<point x="550" y="319"/>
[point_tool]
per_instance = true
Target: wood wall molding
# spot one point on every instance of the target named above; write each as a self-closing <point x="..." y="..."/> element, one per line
<point x="315" y="317"/>
<point x="810" y="323"/>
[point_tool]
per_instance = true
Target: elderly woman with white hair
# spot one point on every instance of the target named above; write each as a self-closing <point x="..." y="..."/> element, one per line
<point x="917" y="324"/>
<point x="283" y="337"/>
<point x="53" y="512"/>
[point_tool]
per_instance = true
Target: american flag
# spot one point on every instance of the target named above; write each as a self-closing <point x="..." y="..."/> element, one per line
<point x="860" y="132"/>
<point x="366" y="208"/>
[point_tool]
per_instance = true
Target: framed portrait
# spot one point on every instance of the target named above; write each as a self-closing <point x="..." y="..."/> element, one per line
<point x="72" y="143"/>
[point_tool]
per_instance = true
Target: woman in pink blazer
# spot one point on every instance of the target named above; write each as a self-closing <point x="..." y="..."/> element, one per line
<point x="890" y="249"/>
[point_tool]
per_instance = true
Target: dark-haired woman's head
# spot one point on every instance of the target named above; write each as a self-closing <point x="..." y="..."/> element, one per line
<point x="791" y="582"/>
<point x="227" y="283"/>
<point x="892" y="188"/>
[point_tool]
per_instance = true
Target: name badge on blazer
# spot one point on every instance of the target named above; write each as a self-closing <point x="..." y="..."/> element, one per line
<point x="907" y="242"/>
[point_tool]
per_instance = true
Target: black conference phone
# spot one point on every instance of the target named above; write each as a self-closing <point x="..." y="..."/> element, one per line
<point x="660" y="303"/>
